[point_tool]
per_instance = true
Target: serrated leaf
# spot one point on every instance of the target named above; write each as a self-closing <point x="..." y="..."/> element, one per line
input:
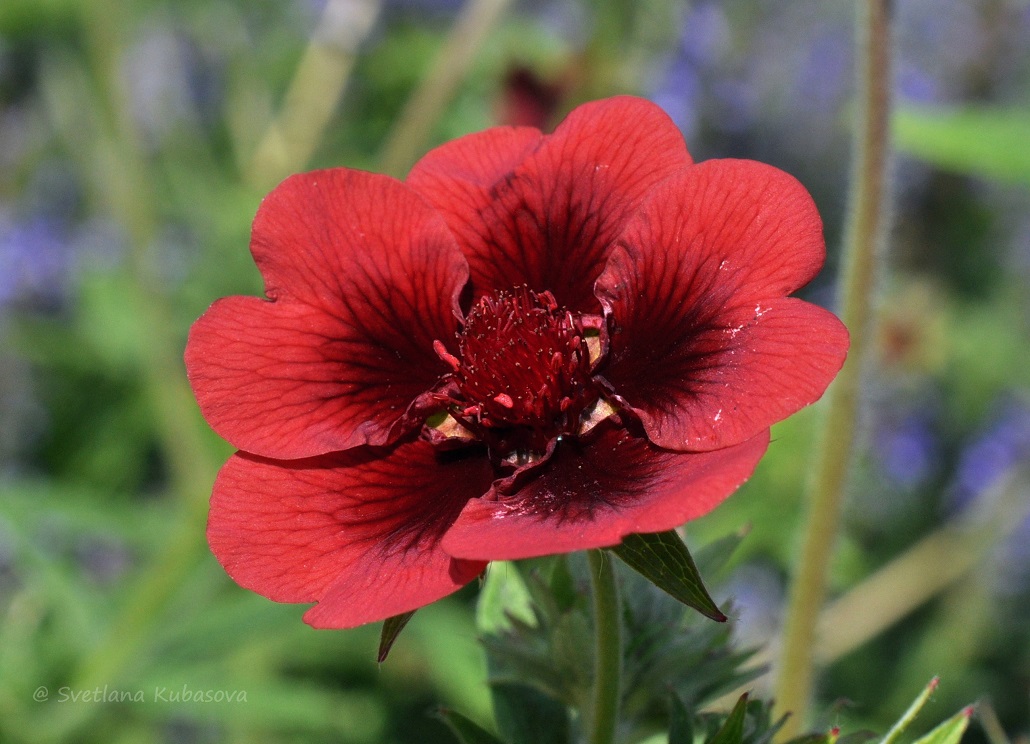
<point x="528" y="716"/>
<point x="664" y="560"/>
<point x="764" y="728"/>
<point x="732" y="731"/>
<point x="949" y="732"/>
<point x="681" y="727"/>
<point x="392" y="628"/>
<point x="465" y="730"/>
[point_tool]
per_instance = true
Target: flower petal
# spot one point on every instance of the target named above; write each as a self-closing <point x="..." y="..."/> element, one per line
<point x="364" y="276"/>
<point x="591" y="496"/>
<point x="466" y="168"/>
<point x="704" y="347"/>
<point x="551" y="221"/>
<point x="356" y="531"/>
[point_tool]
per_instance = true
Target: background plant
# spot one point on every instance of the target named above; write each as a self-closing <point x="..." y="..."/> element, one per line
<point x="136" y="139"/>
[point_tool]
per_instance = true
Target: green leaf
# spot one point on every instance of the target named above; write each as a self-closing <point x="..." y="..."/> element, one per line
<point x="562" y="585"/>
<point x="465" y="730"/>
<point x="446" y="636"/>
<point x="504" y="597"/>
<point x="681" y="728"/>
<point x="810" y="739"/>
<point x="528" y="716"/>
<point x="949" y="732"/>
<point x="715" y="555"/>
<point x="392" y="628"/>
<point x="830" y="737"/>
<point x="976" y="140"/>
<point x="732" y="731"/>
<point x="858" y="737"/>
<point x="663" y="559"/>
<point x="910" y="715"/>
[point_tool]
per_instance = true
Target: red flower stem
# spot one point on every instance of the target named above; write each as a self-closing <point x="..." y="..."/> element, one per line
<point x="604" y="715"/>
<point x="866" y="228"/>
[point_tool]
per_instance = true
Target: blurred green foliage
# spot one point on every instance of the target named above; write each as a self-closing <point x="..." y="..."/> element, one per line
<point x="976" y="140"/>
<point x="151" y="113"/>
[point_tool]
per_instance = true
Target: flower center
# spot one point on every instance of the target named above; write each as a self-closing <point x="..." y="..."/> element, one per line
<point x="523" y="376"/>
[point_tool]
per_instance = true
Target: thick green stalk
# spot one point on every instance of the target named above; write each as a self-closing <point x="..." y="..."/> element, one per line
<point x="866" y="228"/>
<point x="604" y="715"/>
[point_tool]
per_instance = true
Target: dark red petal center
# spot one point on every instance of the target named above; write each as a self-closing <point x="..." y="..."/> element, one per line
<point x="523" y="370"/>
<point x="523" y="360"/>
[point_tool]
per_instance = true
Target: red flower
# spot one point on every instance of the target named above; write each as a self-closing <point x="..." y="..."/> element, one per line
<point x="536" y="344"/>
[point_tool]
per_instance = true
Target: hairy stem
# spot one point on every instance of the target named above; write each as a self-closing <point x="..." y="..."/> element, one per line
<point x="604" y="715"/>
<point x="866" y="228"/>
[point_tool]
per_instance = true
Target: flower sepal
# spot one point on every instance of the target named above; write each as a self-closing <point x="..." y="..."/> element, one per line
<point x="392" y="628"/>
<point x="663" y="559"/>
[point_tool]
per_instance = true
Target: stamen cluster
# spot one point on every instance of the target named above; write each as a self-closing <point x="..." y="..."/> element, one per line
<point x="522" y="376"/>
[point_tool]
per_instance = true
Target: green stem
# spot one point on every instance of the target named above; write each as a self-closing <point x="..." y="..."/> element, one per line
<point x="317" y="86"/>
<point x="607" y="649"/>
<point x="867" y="220"/>
<point x="423" y="109"/>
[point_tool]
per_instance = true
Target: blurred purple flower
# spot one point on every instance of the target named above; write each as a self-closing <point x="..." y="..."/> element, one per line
<point x="998" y="450"/>
<point x="33" y="260"/>
<point x="756" y="593"/>
<point x="704" y="42"/>
<point x="916" y="85"/>
<point x="780" y="74"/>
<point x="173" y="83"/>
<point x="680" y="96"/>
<point x="103" y="559"/>
<point x="44" y="245"/>
<point x="706" y="35"/>
<point x="939" y="43"/>
<point x="907" y="449"/>
<point x="423" y="8"/>
<point x="992" y="454"/>
<point x="822" y="78"/>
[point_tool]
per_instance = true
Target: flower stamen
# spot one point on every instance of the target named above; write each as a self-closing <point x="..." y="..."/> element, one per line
<point x="522" y="374"/>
